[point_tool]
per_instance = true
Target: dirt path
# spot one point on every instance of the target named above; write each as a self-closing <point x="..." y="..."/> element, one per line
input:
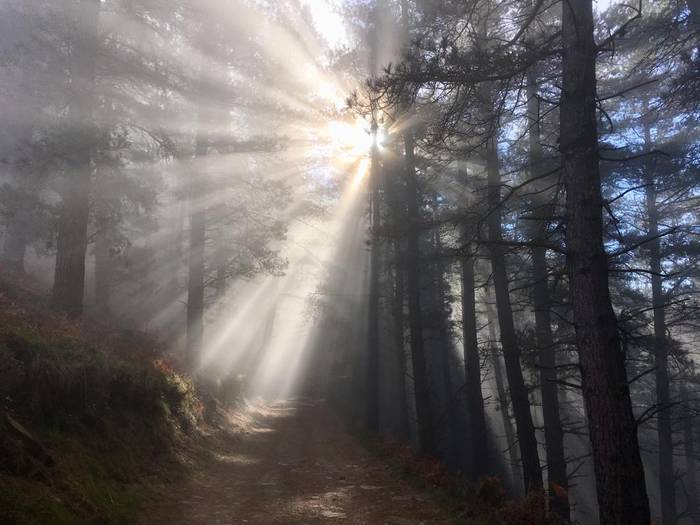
<point x="294" y="465"/>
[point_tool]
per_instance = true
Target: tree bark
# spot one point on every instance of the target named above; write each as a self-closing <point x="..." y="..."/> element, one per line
<point x="421" y="384"/>
<point x="71" y="245"/>
<point x="196" y="261"/>
<point x="532" y="471"/>
<point x="622" y="496"/>
<point x="372" y="394"/>
<point x="14" y="248"/>
<point x="372" y="362"/>
<point x="22" y="209"/>
<point x="403" y="429"/>
<point x="442" y="339"/>
<point x="515" y="466"/>
<point x="421" y="388"/>
<point x="476" y="419"/>
<point x="691" y="468"/>
<point x="557" y="480"/>
<point x="103" y="272"/>
<point x="664" y="431"/>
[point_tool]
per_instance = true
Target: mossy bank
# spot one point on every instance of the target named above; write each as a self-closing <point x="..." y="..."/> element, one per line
<point x="90" y="420"/>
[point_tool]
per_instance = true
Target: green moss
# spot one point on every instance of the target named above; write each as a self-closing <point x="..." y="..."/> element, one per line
<point x="23" y="501"/>
<point x="86" y="499"/>
<point x="108" y="421"/>
<point x="96" y="479"/>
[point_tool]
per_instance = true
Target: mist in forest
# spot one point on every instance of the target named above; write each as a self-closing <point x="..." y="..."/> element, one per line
<point x="471" y="227"/>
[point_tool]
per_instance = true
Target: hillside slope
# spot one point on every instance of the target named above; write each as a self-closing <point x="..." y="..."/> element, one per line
<point x="91" y="419"/>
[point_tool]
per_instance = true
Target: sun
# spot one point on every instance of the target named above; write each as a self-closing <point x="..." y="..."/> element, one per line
<point x="354" y="138"/>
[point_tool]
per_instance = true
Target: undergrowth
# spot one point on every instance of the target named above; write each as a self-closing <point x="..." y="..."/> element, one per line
<point x="89" y="417"/>
<point x="483" y="503"/>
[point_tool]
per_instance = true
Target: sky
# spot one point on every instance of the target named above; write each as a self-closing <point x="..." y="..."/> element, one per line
<point x="329" y="21"/>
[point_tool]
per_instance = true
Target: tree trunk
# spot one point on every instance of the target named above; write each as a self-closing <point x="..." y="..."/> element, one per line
<point x="103" y="272"/>
<point x="622" y="496"/>
<point x="403" y="429"/>
<point x="421" y="388"/>
<point x="14" y="248"/>
<point x="532" y="472"/>
<point x="71" y="245"/>
<point x="196" y="263"/>
<point x="557" y="480"/>
<point x="691" y="468"/>
<point x="372" y="394"/>
<point x="442" y="339"/>
<point x="476" y="419"/>
<point x="396" y="214"/>
<point x="515" y="467"/>
<point x="664" y="431"/>
<point x="23" y="207"/>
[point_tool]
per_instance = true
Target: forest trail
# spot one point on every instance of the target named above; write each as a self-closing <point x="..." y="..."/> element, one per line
<point x="295" y="464"/>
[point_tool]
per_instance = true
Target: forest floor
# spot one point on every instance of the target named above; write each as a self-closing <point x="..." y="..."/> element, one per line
<point x="291" y="463"/>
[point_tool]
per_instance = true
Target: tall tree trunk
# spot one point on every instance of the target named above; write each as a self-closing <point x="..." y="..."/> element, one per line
<point x="396" y="213"/>
<point x="372" y="394"/>
<point x="622" y="496"/>
<point x="421" y="384"/>
<point x="103" y="272"/>
<point x="503" y="401"/>
<point x="23" y="206"/>
<point x="443" y="341"/>
<point x="403" y="429"/>
<point x="14" y="248"/>
<point x="557" y="480"/>
<point x="532" y="472"/>
<point x="197" y="254"/>
<point x="476" y="419"/>
<point x="664" y="431"/>
<point x="691" y="467"/>
<point x="372" y="362"/>
<point x="71" y="246"/>
<point x="424" y="413"/>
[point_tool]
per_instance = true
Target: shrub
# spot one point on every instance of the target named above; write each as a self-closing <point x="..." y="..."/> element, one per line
<point x="103" y="406"/>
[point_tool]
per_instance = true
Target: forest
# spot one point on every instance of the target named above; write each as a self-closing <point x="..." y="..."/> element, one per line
<point x="382" y="262"/>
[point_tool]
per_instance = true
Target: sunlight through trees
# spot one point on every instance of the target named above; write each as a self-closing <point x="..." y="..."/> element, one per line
<point x="469" y="227"/>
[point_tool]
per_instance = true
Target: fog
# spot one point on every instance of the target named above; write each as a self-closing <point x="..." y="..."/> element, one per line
<point x="465" y="229"/>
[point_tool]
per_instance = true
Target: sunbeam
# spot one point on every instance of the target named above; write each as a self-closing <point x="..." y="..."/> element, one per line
<point x="288" y="249"/>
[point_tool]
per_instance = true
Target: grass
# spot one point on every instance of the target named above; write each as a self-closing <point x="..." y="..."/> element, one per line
<point x="105" y="404"/>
